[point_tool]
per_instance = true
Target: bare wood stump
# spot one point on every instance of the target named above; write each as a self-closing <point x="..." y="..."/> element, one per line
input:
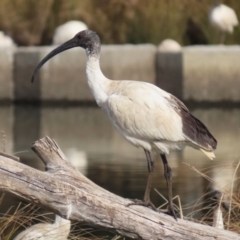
<point x="65" y="191"/>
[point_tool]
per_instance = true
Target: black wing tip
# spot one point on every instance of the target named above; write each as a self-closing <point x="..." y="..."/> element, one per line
<point x="195" y="130"/>
<point x="214" y="144"/>
<point x="210" y="141"/>
<point x="214" y="140"/>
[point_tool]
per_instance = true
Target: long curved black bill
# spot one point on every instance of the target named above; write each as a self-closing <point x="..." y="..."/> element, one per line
<point x="65" y="46"/>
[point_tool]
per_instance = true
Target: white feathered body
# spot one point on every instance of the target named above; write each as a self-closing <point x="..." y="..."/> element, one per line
<point x="223" y="18"/>
<point x="144" y="114"/>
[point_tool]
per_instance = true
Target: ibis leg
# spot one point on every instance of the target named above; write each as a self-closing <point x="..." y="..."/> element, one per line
<point x="146" y="199"/>
<point x="222" y="37"/>
<point x="168" y="177"/>
<point x="150" y="164"/>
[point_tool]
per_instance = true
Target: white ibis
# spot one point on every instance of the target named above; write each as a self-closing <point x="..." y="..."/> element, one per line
<point x="67" y="30"/>
<point x="223" y="18"/>
<point x="169" y="45"/>
<point x="147" y="116"/>
<point x="59" y="230"/>
<point x="6" y="41"/>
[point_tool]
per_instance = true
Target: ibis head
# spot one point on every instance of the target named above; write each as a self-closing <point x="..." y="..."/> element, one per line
<point x="86" y="39"/>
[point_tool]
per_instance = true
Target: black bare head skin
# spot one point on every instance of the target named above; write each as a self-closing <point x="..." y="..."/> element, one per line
<point x="89" y="40"/>
<point x="86" y="39"/>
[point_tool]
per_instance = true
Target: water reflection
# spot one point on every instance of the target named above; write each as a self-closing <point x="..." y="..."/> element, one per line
<point x="6" y="128"/>
<point x="78" y="159"/>
<point x="99" y="152"/>
<point x="26" y="130"/>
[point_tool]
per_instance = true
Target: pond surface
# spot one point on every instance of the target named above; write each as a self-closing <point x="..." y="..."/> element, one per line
<point x="89" y="141"/>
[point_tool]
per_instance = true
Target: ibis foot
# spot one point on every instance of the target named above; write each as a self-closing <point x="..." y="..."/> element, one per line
<point x="170" y="211"/>
<point x="147" y="203"/>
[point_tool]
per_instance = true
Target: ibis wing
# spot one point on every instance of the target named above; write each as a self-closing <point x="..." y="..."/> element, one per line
<point x="146" y="112"/>
<point x="145" y="117"/>
<point x="194" y="129"/>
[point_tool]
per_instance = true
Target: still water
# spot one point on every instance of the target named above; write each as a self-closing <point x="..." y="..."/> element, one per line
<point x="89" y="141"/>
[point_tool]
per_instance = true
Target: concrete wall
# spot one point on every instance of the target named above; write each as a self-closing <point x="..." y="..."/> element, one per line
<point x="6" y="73"/>
<point x="212" y="74"/>
<point x="25" y="60"/>
<point x="201" y="73"/>
<point x="64" y="76"/>
<point x="170" y="73"/>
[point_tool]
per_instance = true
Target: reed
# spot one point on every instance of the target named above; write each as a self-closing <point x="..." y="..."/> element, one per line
<point x="18" y="218"/>
<point x="32" y="22"/>
<point x="203" y="207"/>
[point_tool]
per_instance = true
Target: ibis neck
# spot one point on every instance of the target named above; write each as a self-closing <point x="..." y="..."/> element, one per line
<point x="97" y="82"/>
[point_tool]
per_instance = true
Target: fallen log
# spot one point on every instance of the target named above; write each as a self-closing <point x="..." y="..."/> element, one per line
<point x="65" y="191"/>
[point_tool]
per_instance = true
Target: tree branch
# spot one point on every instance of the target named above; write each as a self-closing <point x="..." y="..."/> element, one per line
<point x="66" y="192"/>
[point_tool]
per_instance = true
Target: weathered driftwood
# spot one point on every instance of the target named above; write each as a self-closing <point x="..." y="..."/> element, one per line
<point x="66" y="192"/>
